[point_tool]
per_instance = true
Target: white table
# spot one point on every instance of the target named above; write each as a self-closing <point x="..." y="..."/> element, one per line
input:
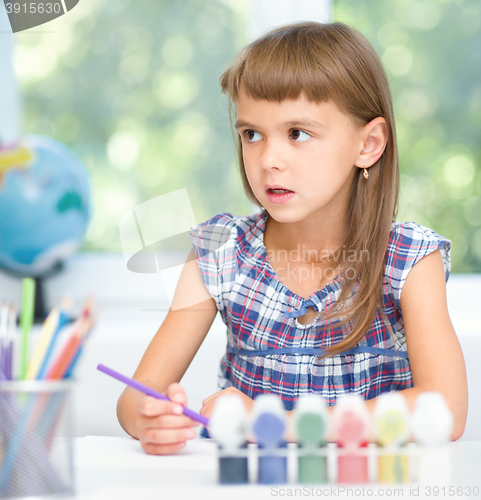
<point x="111" y="468"/>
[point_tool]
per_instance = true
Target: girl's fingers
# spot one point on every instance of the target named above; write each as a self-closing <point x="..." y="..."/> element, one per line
<point x="207" y="409"/>
<point x="162" y="449"/>
<point x="210" y="398"/>
<point x="167" y="436"/>
<point x="151" y="407"/>
<point x="229" y="390"/>
<point x="166" y="421"/>
<point x="176" y="393"/>
<point x="163" y="428"/>
<point x="208" y="403"/>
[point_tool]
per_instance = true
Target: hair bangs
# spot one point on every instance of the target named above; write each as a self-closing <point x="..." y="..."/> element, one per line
<point x="280" y="66"/>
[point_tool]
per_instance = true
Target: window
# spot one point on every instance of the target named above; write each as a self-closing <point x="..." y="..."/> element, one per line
<point x="132" y="87"/>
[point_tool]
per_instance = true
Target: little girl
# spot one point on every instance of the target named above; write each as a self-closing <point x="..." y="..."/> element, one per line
<point x="321" y="290"/>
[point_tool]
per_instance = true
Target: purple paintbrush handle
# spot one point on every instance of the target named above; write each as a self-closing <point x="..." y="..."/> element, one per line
<point x="150" y="392"/>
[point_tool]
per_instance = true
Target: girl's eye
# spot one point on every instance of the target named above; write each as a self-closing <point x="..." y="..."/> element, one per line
<point x="299" y="135"/>
<point x="252" y="135"/>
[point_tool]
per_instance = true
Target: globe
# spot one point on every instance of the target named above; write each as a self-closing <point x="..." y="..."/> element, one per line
<point x="45" y="207"/>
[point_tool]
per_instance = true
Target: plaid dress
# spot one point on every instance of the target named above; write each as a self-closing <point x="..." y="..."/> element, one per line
<point x="268" y="350"/>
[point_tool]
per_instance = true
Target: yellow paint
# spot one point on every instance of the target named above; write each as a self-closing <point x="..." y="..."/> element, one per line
<point x="391" y="426"/>
<point x="393" y="468"/>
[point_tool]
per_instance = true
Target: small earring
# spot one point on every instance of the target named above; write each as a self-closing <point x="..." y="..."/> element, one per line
<point x="366" y="173"/>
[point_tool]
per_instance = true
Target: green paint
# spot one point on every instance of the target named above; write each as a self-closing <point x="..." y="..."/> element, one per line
<point x="312" y="469"/>
<point x="310" y="429"/>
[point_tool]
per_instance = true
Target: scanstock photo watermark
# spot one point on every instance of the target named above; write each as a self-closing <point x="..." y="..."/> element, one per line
<point x="24" y="15"/>
<point x="421" y="491"/>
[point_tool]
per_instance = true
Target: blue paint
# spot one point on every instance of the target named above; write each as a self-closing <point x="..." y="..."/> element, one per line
<point x="233" y="470"/>
<point x="273" y="469"/>
<point x="269" y="429"/>
<point x="269" y="426"/>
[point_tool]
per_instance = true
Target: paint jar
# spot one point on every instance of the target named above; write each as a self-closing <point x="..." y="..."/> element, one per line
<point x="269" y="425"/>
<point x="311" y="423"/>
<point x="228" y="426"/>
<point x="36" y="458"/>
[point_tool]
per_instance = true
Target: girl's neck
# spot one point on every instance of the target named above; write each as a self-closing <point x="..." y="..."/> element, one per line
<point x="311" y="239"/>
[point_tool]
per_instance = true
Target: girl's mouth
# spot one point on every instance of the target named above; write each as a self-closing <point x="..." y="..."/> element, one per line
<point x="279" y="195"/>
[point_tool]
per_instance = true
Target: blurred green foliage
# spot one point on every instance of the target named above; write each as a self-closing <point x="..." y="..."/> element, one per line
<point x="431" y="50"/>
<point x="132" y="87"/>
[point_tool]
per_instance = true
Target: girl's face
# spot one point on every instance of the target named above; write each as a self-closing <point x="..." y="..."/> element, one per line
<point x="307" y="148"/>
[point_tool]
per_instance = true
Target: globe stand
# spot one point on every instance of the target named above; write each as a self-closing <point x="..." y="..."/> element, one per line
<point x="40" y="310"/>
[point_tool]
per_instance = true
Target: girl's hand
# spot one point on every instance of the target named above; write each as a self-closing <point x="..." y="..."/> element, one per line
<point x="162" y="427"/>
<point x="208" y="403"/>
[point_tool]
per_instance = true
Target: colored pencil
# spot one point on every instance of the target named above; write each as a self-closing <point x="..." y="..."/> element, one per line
<point x="49" y="328"/>
<point x="3" y="337"/>
<point x="26" y="321"/>
<point x="66" y="357"/>
<point x="11" y="336"/>
<point x="31" y="420"/>
<point x="150" y="392"/>
<point x="3" y="320"/>
<point x="63" y="319"/>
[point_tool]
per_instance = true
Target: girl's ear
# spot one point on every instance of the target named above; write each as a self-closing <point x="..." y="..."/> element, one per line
<point x="373" y="142"/>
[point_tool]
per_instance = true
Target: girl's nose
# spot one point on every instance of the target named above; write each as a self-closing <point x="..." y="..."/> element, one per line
<point x="272" y="157"/>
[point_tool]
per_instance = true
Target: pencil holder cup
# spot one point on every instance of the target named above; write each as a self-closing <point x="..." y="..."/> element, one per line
<point x="36" y="458"/>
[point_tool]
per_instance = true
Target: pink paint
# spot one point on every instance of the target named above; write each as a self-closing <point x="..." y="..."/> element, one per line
<point x="352" y="430"/>
<point x="353" y="468"/>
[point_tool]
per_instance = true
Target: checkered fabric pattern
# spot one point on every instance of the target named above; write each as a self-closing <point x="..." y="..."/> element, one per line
<point x="269" y="351"/>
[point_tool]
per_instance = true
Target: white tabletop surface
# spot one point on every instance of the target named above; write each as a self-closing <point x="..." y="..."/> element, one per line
<point x="117" y="468"/>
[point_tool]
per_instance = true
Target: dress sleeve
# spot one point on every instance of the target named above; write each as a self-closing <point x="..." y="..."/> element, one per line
<point x="214" y="243"/>
<point x="408" y="244"/>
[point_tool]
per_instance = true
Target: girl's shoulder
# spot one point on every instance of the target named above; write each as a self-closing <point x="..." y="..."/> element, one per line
<point x="217" y="242"/>
<point x="409" y="242"/>
<point x="224" y="228"/>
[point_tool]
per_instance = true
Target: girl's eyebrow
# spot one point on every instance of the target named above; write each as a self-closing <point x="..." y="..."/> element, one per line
<point x="301" y="122"/>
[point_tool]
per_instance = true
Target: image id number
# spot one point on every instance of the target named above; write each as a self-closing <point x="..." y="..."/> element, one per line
<point x="33" y="8"/>
<point x="434" y="491"/>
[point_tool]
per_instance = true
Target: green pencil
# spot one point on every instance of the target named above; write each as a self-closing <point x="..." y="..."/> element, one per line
<point x="26" y="321"/>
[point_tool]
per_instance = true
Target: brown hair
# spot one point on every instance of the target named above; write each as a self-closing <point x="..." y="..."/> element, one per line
<point x="333" y="62"/>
